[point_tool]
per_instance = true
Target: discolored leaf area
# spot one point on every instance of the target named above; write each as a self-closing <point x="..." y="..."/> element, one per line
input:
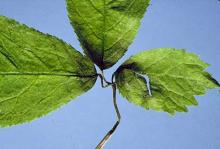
<point x="38" y="73"/>
<point x="175" y="78"/>
<point x="106" y="27"/>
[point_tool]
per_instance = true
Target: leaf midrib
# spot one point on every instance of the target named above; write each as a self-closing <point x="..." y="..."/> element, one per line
<point x="104" y="33"/>
<point x="46" y="74"/>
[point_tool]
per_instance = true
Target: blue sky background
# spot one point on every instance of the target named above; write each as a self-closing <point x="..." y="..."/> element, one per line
<point x="193" y="25"/>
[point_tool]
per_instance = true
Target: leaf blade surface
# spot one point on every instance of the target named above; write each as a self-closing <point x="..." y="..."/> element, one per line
<point x="38" y="73"/>
<point x="175" y="78"/>
<point x="106" y="27"/>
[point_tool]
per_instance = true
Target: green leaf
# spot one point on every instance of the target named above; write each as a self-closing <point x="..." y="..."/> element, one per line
<point x="106" y="27"/>
<point x="38" y="73"/>
<point x="175" y="77"/>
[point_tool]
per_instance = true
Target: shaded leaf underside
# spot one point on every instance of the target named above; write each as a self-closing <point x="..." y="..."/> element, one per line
<point x="175" y="78"/>
<point x="38" y="73"/>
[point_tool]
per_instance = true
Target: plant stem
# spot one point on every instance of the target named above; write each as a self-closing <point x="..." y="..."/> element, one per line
<point x="111" y="132"/>
<point x="103" y="79"/>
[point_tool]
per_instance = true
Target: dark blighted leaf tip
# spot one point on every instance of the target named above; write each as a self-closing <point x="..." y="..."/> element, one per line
<point x="209" y="77"/>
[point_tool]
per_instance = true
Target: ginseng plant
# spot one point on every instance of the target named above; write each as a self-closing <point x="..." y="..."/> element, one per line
<point x="39" y="72"/>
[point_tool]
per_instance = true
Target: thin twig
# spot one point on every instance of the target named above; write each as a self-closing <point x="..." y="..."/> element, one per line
<point x="111" y="132"/>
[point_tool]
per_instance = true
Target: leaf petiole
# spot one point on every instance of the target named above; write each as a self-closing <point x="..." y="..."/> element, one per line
<point x="104" y="80"/>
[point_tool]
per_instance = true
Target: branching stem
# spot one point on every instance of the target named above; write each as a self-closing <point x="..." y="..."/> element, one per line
<point x="111" y="132"/>
<point x="103" y="80"/>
